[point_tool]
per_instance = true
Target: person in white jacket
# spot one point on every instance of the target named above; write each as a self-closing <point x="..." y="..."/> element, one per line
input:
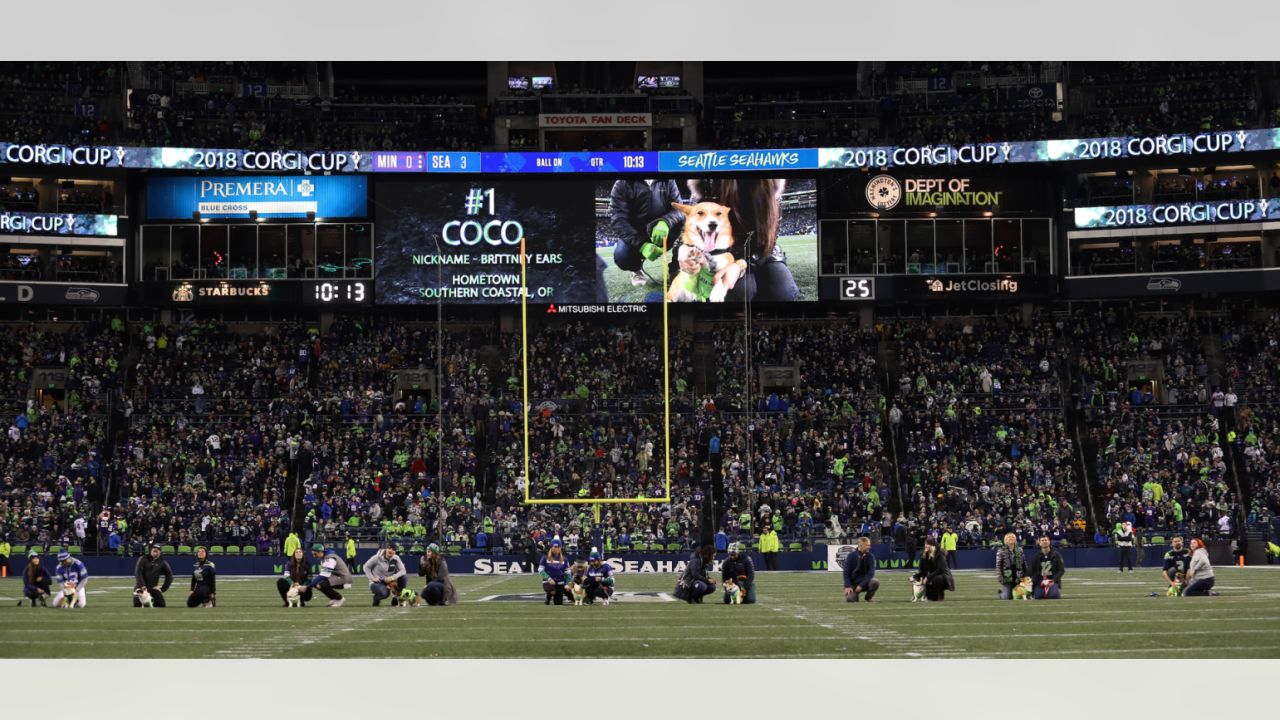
<point x="387" y="575"/>
<point x="1200" y="573"/>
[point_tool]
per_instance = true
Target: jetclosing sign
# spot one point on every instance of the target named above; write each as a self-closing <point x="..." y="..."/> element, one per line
<point x="225" y="198"/>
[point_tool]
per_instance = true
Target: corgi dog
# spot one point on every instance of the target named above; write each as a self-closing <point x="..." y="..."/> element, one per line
<point x="734" y="591"/>
<point x="708" y="228"/>
<point x="685" y="286"/>
<point x="1022" y="591"/>
<point x="294" y="596"/>
<point x="144" y="597"/>
<point x="577" y="586"/>
<point x="917" y="589"/>
<point x="69" y="595"/>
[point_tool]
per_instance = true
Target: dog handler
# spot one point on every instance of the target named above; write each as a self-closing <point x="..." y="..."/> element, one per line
<point x="742" y="571"/>
<point x="147" y="573"/>
<point x="386" y="573"/>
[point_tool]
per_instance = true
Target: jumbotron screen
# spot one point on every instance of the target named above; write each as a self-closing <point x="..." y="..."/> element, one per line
<point x="730" y="239"/>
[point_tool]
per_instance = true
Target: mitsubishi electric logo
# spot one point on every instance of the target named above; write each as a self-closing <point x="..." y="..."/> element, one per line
<point x="1003" y="285"/>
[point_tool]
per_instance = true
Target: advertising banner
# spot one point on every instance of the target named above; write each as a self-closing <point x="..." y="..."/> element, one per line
<point x="56" y="293"/>
<point x="1173" y="284"/>
<point x="1170" y="214"/>
<point x="222" y="198"/>
<point x="33" y="223"/>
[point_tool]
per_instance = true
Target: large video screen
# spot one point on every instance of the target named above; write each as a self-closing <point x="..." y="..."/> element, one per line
<point x="728" y="239"/>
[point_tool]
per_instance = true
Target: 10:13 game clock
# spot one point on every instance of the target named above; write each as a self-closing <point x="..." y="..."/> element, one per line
<point x="338" y="292"/>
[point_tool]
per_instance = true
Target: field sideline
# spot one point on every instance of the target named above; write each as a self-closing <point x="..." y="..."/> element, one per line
<point x="1105" y="614"/>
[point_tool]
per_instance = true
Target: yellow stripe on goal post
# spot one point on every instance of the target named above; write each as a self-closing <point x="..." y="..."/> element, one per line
<point x="666" y="395"/>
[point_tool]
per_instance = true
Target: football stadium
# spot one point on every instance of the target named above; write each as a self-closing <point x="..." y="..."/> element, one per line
<point x="590" y="360"/>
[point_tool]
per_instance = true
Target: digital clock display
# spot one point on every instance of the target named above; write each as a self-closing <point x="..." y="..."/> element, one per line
<point x="338" y="292"/>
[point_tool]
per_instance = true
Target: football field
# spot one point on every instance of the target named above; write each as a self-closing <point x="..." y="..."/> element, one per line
<point x="1104" y="614"/>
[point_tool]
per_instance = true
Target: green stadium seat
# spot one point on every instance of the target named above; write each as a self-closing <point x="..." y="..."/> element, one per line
<point x="417" y="550"/>
<point x="673" y="547"/>
<point x="1157" y="540"/>
<point x="217" y="550"/>
<point x="37" y="549"/>
<point x="74" y="549"/>
<point x="185" y="550"/>
<point x="18" y="550"/>
<point x="455" y="549"/>
<point x="795" y="547"/>
<point x="55" y="549"/>
<point x="168" y="550"/>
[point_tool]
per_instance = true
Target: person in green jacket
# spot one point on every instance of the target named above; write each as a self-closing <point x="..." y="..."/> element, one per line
<point x="949" y="543"/>
<point x="351" y="552"/>
<point x="291" y="543"/>
<point x="769" y="547"/>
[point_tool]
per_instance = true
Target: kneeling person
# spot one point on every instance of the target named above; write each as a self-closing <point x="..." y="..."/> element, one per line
<point x="1047" y="570"/>
<point x="334" y="574"/>
<point x="297" y="574"/>
<point x="860" y="572"/>
<point x="387" y="574"/>
<point x="439" y="589"/>
<point x="599" y="578"/>
<point x="71" y="573"/>
<point x="146" y="576"/>
<point x="742" y="571"/>
<point x="204" y="582"/>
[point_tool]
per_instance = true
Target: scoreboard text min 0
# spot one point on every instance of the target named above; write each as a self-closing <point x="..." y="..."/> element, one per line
<point x="857" y="288"/>
<point x="338" y="292"/>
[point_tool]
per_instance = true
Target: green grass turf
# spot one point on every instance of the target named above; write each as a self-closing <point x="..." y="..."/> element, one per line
<point x="802" y="259"/>
<point x="800" y="615"/>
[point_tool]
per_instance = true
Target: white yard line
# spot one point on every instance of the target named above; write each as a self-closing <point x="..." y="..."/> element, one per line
<point x="900" y="643"/>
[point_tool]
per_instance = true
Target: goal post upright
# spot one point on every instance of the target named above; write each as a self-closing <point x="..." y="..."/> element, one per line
<point x="666" y="400"/>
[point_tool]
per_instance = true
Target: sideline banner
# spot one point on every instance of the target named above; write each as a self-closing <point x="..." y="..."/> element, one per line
<point x="822" y="558"/>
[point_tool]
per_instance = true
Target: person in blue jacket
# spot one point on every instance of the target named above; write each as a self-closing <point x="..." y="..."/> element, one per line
<point x="36" y="582"/>
<point x="71" y="570"/>
<point x="860" y="572"/>
<point x="553" y="569"/>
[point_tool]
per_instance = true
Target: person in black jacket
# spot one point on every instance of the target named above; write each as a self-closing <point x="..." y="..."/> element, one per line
<point x="147" y="573"/>
<point x="860" y="572"/>
<point x="1047" y="569"/>
<point x="695" y="584"/>
<point x="204" y="587"/>
<point x="296" y="573"/>
<point x="934" y="572"/>
<point x="742" y="571"/>
<point x="642" y="217"/>
<point x="36" y="583"/>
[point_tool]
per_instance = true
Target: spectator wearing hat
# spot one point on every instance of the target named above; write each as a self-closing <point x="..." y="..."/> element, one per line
<point x="599" y="577"/>
<point x="71" y="571"/>
<point x="297" y="573"/>
<point x="204" y="582"/>
<point x="334" y="574"/>
<point x="439" y="589"/>
<point x="36" y="582"/>
<point x="386" y="573"/>
<point x="553" y="569"/>
<point x="739" y="568"/>
<point x="147" y="573"/>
